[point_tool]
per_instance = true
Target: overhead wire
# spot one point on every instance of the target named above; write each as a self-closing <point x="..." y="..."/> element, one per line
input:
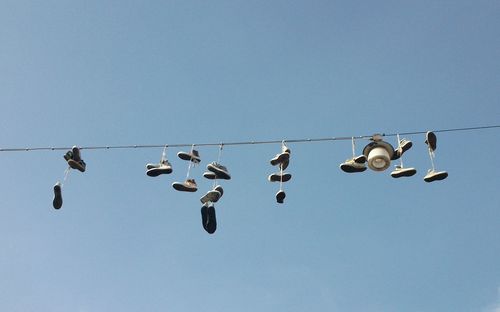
<point x="307" y="140"/>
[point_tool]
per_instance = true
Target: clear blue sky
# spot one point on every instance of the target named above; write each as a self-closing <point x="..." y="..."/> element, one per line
<point x="157" y="72"/>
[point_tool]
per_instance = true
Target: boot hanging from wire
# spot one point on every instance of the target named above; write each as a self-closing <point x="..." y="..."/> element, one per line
<point x="163" y="167"/>
<point x="400" y="170"/>
<point x="354" y="164"/>
<point x="193" y="157"/>
<point x="432" y="174"/>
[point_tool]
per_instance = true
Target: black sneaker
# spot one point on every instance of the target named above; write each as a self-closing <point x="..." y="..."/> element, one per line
<point x="351" y="166"/>
<point x="76" y="154"/>
<point x="68" y="155"/>
<point x="193" y="156"/>
<point x="403" y="172"/>
<point x="403" y="146"/>
<point x="280" y="158"/>
<point x="163" y="168"/>
<point x="219" y="170"/>
<point x="204" y="216"/>
<point x="361" y="159"/>
<point x="211" y="225"/>
<point x="431" y="140"/>
<point x="188" y="186"/>
<point x="58" y="201"/>
<point x="435" y="176"/>
<point x="280" y="196"/>
<point x="277" y="177"/>
<point x="210" y="175"/>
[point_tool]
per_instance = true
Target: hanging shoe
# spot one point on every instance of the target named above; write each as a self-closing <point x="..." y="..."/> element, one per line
<point x="80" y="165"/>
<point x="204" y="216"/>
<point x="282" y="157"/>
<point x="219" y="170"/>
<point x="74" y="159"/>
<point x="188" y="186"/>
<point x="435" y="176"/>
<point x="284" y="165"/>
<point x="404" y="145"/>
<point x="211" y="196"/>
<point x="163" y="168"/>
<point x="76" y="154"/>
<point x="277" y="177"/>
<point x="211" y="225"/>
<point x="209" y="175"/>
<point x="193" y="156"/>
<point x="351" y="166"/>
<point x="361" y="159"/>
<point x="58" y="201"/>
<point x="68" y="155"/>
<point x="403" y="172"/>
<point x="431" y="140"/>
<point x="280" y="196"/>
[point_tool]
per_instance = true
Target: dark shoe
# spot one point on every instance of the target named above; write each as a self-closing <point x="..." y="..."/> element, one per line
<point x="193" y="156"/>
<point x="277" y="177"/>
<point x="280" y="158"/>
<point x="351" y="166"/>
<point x="78" y="165"/>
<point x="361" y="159"/>
<point x="211" y="226"/>
<point x="204" y="217"/>
<point x="280" y="196"/>
<point x="431" y="140"/>
<point x="403" y="172"/>
<point x="57" y="202"/>
<point x="403" y="146"/>
<point x="68" y="155"/>
<point x="435" y="176"/>
<point x="188" y="186"/>
<point x="76" y="154"/>
<point x="163" y="168"/>
<point x="210" y="175"/>
<point x="219" y="170"/>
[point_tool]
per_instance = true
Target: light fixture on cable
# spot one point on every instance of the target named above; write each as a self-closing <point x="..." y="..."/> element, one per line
<point x="378" y="153"/>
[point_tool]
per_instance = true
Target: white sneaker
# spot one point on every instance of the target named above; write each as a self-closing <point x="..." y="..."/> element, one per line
<point x="351" y="166"/>
<point x="403" y="172"/>
<point x="435" y="176"/>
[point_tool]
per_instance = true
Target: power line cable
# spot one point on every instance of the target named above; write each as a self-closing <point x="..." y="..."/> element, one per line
<point x="310" y="140"/>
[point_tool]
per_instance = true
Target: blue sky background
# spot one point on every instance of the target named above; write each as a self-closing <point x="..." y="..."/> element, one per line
<point x="158" y="72"/>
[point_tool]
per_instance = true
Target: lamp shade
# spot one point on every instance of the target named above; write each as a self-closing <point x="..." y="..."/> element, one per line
<point x="379" y="154"/>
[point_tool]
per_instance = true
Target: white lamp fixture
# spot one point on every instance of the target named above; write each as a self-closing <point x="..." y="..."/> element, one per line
<point x="378" y="153"/>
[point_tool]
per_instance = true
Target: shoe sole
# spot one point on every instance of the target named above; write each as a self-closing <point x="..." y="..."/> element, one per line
<point x="182" y="188"/>
<point x="58" y="201"/>
<point x="204" y="217"/>
<point x="281" y="158"/>
<point x="431" y="140"/>
<point x="350" y="169"/>
<point x="220" y="174"/>
<point x="76" y="165"/>
<point x="211" y="196"/>
<point x="276" y="177"/>
<point x="436" y="177"/>
<point x="211" y="225"/>
<point x="280" y="197"/>
<point x="403" y="173"/>
<point x="188" y="157"/>
<point x="154" y="172"/>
